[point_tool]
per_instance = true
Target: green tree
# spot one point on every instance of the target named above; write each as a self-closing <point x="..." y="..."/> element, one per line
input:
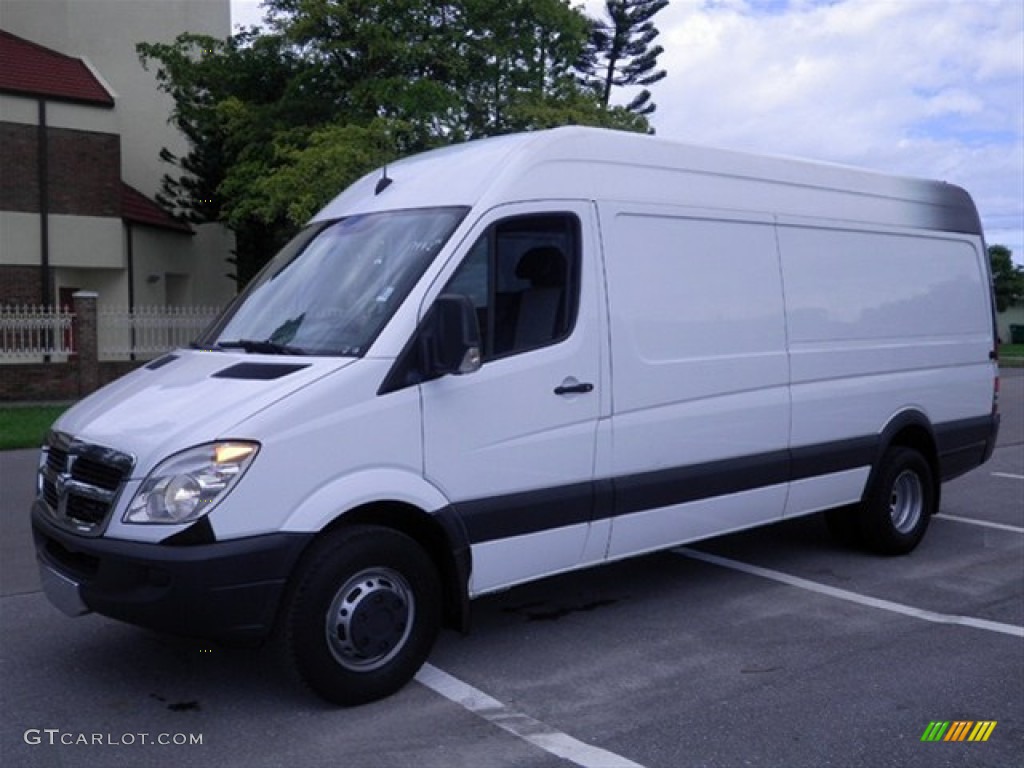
<point x="279" y="121"/>
<point x="517" y="53"/>
<point x="230" y="98"/>
<point x="1007" y="278"/>
<point x="619" y="52"/>
<point x="304" y="175"/>
<point x="369" y="60"/>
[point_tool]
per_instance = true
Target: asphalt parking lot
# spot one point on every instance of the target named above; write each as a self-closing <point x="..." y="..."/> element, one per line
<point x="773" y="647"/>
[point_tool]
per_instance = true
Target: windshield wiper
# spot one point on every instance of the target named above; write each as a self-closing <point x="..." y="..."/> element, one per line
<point x="266" y="346"/>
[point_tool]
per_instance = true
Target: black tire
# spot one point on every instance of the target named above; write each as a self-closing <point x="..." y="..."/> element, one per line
<point x="363" y="614"/>
<point x="899" y="504"/>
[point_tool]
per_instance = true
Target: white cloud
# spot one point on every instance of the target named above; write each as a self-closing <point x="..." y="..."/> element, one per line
<point x="930" y="88"/>
<point x="246" y="13"/>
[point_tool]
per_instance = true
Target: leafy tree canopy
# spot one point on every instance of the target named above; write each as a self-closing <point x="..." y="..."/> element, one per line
<point x="279" y="120"/>
<point x="1007" y="277"/>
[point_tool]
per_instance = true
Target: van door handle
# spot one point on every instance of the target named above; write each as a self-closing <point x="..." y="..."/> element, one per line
<point x="572" y="387"/>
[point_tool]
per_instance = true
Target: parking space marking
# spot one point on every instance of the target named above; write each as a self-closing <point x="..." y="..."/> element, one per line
<point x="1007" y="474"/>
<point x="525" y="727"/>
<point x="853" y="597"/>
<point x="982" y="523"/>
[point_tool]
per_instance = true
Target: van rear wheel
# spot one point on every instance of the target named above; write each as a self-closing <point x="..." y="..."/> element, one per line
<point x="898" y="506"/>
<point x="364" y="614"/>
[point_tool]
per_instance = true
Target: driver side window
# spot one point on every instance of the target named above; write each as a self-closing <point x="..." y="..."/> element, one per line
<point x="522" y="277"/>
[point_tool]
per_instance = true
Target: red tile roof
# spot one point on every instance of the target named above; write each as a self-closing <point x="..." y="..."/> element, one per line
<point x="139" y="209"/>
<point x="32" y="70"/>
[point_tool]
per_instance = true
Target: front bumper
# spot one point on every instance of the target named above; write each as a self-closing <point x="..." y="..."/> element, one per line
<point x="226" y="589"/>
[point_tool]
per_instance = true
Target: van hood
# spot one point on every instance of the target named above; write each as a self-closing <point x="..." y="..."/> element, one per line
<point x="187" y="398"/>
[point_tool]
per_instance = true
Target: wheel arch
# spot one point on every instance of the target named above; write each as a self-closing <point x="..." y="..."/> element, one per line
<point x="910" y="429"/>
<point x="403" y="501"/>
<point x="442" y="537"/>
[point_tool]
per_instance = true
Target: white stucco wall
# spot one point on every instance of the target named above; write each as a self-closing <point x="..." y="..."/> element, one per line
<point x="187" y="268"/>
<point x="110" y="285"/>
<point x="17" y="109"/>
<point x="86" y="242"/>
<point x="75" y="241"/>
<point x="19" y="239"/>
<point x="80" y="117"/>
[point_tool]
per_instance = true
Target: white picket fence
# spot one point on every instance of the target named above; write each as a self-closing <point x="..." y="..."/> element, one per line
<point x="149" y="331"/>
<point x="29" y="333"/>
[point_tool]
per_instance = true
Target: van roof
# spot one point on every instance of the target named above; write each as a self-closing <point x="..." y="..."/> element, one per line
<point x="581" y="163"/>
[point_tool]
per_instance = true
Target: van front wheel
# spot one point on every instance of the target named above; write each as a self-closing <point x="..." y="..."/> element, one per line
<point x="900" y="503"/>
<point x="364" y="614"/>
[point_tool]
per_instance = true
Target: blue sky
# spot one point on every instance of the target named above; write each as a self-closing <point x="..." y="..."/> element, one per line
<point x="931" y="88"/>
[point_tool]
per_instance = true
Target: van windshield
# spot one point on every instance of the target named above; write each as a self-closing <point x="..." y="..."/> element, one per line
<point x="332" y="289"/>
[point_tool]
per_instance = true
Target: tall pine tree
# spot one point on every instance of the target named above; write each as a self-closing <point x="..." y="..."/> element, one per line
<point x="619" y="52"/>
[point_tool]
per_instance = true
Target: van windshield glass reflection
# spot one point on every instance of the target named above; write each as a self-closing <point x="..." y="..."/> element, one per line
<point x="332" y="289"/>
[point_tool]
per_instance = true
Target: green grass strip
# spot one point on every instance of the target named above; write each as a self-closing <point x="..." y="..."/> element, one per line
<point x="26" y="426"/>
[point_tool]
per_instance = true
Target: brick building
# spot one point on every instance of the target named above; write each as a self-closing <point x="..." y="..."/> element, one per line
<point x="79" y="167"/>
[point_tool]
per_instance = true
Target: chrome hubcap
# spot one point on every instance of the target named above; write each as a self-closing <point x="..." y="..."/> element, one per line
<point x="370" y="619"/>
<point x="907" y="501"/>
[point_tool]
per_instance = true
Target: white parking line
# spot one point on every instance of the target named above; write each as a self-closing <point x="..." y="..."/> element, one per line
<point x="1007" y="474"/>
<point x="525" y="727"/>
<point x="853" y="597"/>
<point x="982" y="523"/>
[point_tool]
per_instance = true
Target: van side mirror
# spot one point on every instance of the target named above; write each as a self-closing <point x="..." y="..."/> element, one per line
<point x="450" y="337"/>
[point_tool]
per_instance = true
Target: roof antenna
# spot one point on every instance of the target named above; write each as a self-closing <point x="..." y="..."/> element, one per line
<point x="383" y="182"/>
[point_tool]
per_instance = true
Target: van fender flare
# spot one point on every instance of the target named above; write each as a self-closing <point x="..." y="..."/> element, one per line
<point x="916" y="421"/>
<point x="372" y="486"/>
<point x="370" y="496"/>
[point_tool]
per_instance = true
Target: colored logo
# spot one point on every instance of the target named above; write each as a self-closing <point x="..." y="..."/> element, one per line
<point x="958" y="730"/>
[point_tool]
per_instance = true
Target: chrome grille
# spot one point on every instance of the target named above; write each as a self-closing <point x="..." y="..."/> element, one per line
<point x="95" y="473"/>
<point x="79" y="482"/>
<point x="56" y="458"/>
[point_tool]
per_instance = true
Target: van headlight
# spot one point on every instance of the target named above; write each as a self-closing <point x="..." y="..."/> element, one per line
<point x="185" y="487"/>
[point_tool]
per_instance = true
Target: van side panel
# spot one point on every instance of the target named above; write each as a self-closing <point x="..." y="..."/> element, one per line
<point x="848" y="286"/>
<point x="880" y="323"/>
<point x="699" y="372"/>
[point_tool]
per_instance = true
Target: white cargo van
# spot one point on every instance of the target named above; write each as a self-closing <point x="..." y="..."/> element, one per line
<point x="520" y="356"/>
